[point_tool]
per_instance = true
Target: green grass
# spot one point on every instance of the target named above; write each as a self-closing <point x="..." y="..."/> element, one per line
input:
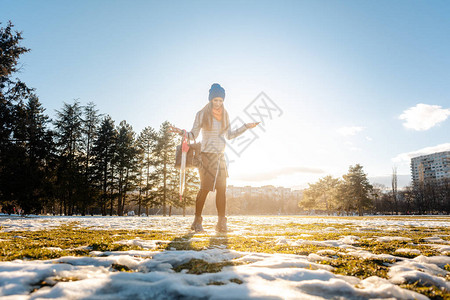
<point x="199" y="266"/>
<point x="35" y="244"/>
<point x="361" y="268"/>
<point x="391" y="246"/>
<point x="432" y="292"/>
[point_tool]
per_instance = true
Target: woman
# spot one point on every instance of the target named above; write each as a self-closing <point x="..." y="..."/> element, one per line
<point x="214" y="122"/>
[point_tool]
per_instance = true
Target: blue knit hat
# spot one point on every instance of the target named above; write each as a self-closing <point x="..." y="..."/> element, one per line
<point x="216" y="91"/>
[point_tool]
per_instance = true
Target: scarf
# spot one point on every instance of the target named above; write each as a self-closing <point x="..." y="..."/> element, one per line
<point x="218" y="113"/>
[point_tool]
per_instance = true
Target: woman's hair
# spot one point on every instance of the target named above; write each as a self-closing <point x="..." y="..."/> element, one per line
<point x="208" y="118"/>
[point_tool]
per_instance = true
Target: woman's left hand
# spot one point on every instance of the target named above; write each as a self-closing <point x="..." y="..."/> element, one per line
<point x="251" y="125"/>
<point x="174" y="129"/>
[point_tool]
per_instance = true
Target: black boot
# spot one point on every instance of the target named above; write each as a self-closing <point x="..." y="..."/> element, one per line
<point x="197" y="225"/>
<point x="222" y="225"/>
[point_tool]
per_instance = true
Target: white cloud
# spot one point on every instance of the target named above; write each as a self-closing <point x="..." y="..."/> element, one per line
<point x="406" y="157"/>
<point x="369" y="138"/>
<point x="349" y="130"/>
<point x="423" y="116"/>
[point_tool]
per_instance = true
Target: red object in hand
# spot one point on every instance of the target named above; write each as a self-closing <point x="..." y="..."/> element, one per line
<point x="185" y="145"/>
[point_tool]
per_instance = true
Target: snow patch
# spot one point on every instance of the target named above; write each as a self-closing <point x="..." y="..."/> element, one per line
<point x="407" y="251"/>
<point x="144" y="244"/>
<point x="426" y="270"/>
<point x="385" y="239"/>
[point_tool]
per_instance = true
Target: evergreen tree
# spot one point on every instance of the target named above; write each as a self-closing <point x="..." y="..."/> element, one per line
<point x="165" y="163"/>
<point x="328" y="186"/>
<point x="70" y="168"/>
<point x="125" y="163"/>
<point x="89" y="129"/>
<point x="11" y="90"/>
<point x="358" y="188"/>
<point x="13" y="93"/>
<point x="344" y="198"/>
<point x="173" y="192"/>
<point x="146" y="143"/>
<point x="34" y="172"/>
<point x="103" y="155"/>
<point x="192" y="187"/>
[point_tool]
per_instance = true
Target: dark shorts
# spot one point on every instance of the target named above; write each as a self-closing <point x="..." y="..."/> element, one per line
<point x="208" y="171"/>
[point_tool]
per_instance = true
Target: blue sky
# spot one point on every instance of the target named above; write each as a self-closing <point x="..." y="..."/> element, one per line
<point x="356" y="81"/>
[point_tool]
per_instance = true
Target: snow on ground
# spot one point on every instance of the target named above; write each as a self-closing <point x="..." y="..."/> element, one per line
<point x="179" y="224"/>
<point x="264" y="276"/>
<point x="408" y="251"/>
<point x="150" y="273"/>
<point x="424" y="269"/>
<point x="145" y="244"/>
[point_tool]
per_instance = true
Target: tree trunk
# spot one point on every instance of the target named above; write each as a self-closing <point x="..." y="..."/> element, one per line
<point x="164" y="192"/>
<point x="139" y="203"/>
<point x="112" y="203"/>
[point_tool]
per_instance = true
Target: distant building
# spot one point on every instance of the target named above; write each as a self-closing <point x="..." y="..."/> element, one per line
<point x="266" y="199"/>
<point x="430" y="167"/>
<point x="267" y="190"/>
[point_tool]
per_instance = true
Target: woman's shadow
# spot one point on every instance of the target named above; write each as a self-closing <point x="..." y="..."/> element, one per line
<point x="219" y="240"/>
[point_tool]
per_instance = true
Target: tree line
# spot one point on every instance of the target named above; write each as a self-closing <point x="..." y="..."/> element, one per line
<point x="350" y="194"/>
<point x="354" y="194"/>
<point x="427" y="197"/>
<point x="81" y="162"/>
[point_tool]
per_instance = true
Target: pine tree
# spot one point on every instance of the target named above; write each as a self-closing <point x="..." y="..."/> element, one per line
<point x="344" y="200"/>
<point x="103" y="155"/>
<point x="89" y="132"/>
<point x="13" y="93"/>
<point x="358" y="188"/>
<point x="11" y="90"/>
<point x="70" y="168"/>
<point x="38" y="148"/>
<point x="164" y="162"/>
<point x="146" y="142"/>
<point x="191" y="189"/>
<point x="125" y="163"/>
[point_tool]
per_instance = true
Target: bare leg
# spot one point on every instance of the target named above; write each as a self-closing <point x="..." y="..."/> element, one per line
<point x="200" y="202"/>
<point x="221" y="201"/>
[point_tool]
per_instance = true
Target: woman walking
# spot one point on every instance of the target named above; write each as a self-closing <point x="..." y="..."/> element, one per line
<point x="214" y="122"/>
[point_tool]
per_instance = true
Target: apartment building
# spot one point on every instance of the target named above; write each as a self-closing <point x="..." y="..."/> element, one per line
<point x="430" y="167"/>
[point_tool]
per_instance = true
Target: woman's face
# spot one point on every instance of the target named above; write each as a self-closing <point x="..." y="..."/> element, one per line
<point x="217" y="102"/>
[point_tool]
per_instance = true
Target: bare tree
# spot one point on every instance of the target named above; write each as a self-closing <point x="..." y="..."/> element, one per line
<point x="394" y="189"/>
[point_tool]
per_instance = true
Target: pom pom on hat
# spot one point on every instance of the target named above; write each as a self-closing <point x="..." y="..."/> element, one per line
<point x="216" y="91"/>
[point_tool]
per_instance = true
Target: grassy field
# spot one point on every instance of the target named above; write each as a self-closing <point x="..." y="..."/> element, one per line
<point x="351" y="246"/>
